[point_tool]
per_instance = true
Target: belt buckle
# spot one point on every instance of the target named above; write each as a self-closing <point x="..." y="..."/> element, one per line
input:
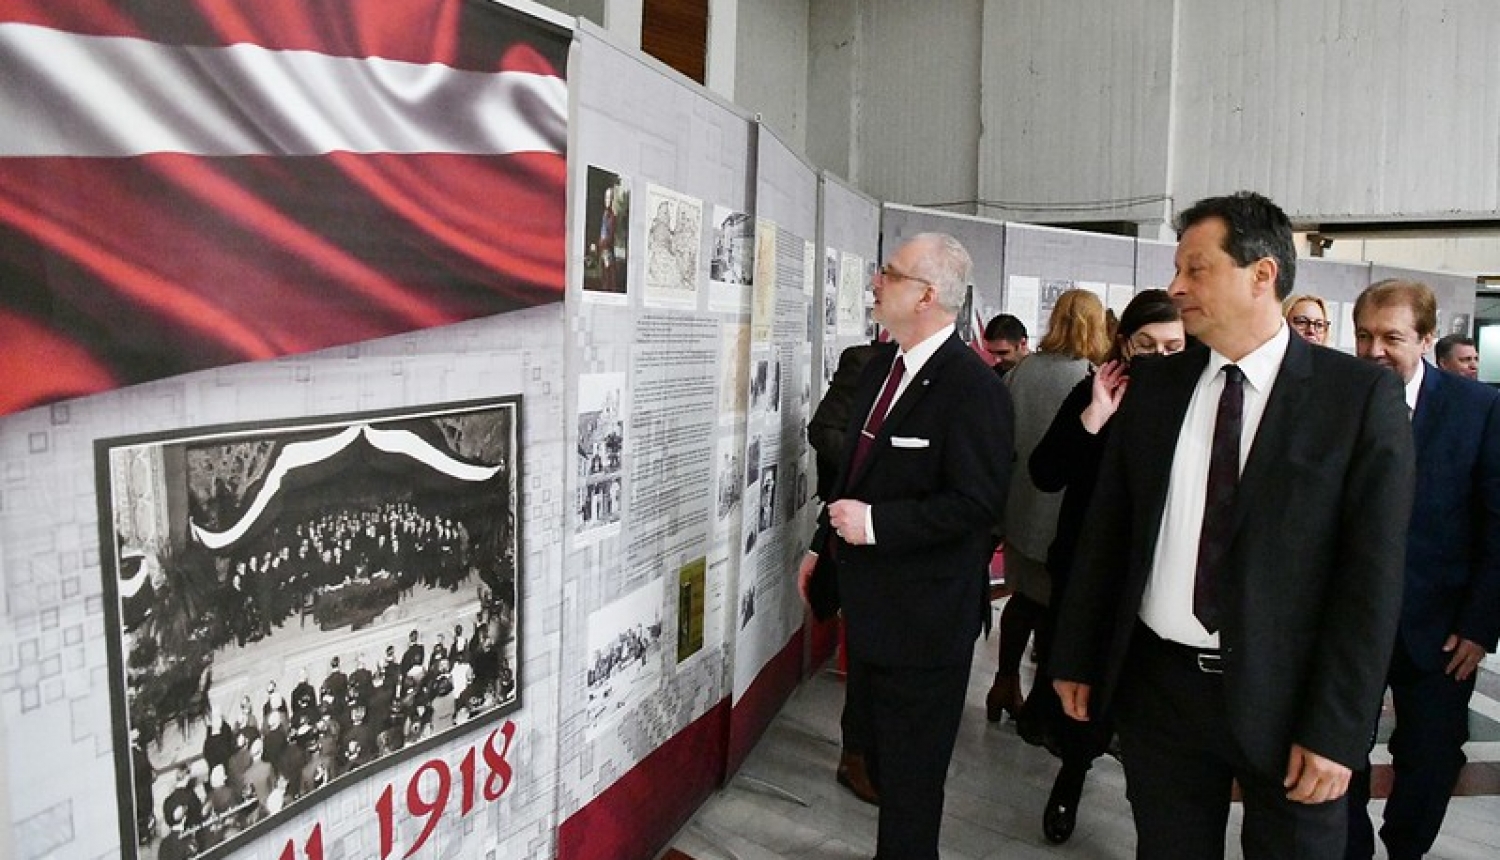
<point x="1211" y="663"/>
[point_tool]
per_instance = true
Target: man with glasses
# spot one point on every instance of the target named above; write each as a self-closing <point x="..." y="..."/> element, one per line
<point x="905" y="534"/>
<point x="1238" y="579"/>
<point x="1450" y="609"/>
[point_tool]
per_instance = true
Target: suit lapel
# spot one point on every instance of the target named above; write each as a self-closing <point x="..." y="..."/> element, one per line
<point x="916" y="389"/>
<point x="1430" y="406"/>
<point x="1162" y="416"/>
<point x="1278" y="428"/>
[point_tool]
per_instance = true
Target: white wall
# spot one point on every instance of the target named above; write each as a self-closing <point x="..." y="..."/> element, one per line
<point x="1076" y="110"/>
<point x="1367" y="109"/>
<point x="917" y="117"/>
<point x="1475" y="255"/>
<point x="770" y="65"/>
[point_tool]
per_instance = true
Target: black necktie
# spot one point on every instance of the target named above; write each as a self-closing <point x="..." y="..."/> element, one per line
<point x="1223" y="481"/>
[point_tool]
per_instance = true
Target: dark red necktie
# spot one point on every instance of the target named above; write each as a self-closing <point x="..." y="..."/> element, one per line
<point x="1223" y="482"/>
<point x="877" y="418"/>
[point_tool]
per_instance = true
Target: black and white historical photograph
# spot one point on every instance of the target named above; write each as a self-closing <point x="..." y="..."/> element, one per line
<point x="752" y="462"/>
<point x="601" y="440"/>
<point x="767" y="508"/>
<point x="293" y="607"/>
<point x="728" y="482"/>
<point x="606" y="227"/>
<point x="765" y="384"/>
<point x="831" y="288"/>
<point x="731" y="268"/>
<point x="625" y="654"/>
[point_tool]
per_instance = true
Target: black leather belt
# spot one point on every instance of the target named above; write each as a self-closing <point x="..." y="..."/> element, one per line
<point x="1207" y="660"/>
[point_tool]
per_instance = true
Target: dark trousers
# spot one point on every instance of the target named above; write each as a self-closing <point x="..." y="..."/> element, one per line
<point x="914" y="713"/>
<point x="1181" y="762"/>
<point x="1432" y="725"/>
<point x="1018" y="620"/>
<point x="854" y="722"/>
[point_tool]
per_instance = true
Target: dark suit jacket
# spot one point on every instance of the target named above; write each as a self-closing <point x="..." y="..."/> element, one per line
<point x="1311" y="585"/>
<point x="830" y="423"/>
<point x="1453" y="546"/>
<point x="936" y="479"/>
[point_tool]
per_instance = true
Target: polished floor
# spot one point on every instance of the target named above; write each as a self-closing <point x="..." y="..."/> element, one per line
<point x="784" y="802"/>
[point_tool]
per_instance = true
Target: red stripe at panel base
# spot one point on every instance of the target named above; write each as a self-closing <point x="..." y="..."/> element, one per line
<point x="827" y="637"/>
<point x="641" y="812"/>
<point x="763" y="700"/>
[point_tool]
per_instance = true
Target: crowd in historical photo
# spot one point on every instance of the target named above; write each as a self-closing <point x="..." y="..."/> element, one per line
<point x="308" y="607"/>
<point x="342" y="564"/>
<point x="288" y="739"/>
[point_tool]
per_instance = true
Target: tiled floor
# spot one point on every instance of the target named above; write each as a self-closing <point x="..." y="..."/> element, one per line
<point x="784" y="802"/>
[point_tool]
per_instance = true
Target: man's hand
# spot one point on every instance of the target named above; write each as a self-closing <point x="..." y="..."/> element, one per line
<point x="1310" y="778"/>
<point x="804" y="574"/>
<point x="1466" y="656"/>
<point x="1075" y="699"/>
<point x="847" y="517"/>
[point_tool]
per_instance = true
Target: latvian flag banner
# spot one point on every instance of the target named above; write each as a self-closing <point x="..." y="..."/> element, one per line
<point x="191" y="184"/>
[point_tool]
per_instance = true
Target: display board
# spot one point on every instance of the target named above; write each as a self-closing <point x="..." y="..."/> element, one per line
<point x="848" y="252"/>
<point x="1455" y="296"/>
<point x="289" y="608"/>
<point x="779" y="470"/>
<point x="1041" y="263"/>
<point x="663" y="254"/>
<point x="983" y="238"/>
<point x="1155" y="264"/>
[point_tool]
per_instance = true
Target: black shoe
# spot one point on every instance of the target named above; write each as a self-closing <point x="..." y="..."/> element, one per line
<point x="1061" y="814"/>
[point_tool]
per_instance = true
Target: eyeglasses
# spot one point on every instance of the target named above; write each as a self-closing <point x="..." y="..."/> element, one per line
<point x="891" y="273"/>
<point x="1310" y="323"/>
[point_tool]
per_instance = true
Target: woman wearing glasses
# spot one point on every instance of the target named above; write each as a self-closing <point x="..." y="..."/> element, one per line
<point x="1067" y="459"/>
<point x="1308" y="317"/>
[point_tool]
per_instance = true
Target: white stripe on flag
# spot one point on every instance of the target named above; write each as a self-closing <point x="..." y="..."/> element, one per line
<point x="71" y="95"/>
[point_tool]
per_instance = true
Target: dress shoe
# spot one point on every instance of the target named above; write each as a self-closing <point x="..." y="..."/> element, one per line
<point x="853" y="776"/>
<point x="1061" y="814"/>
<point x="1004" y="697"/>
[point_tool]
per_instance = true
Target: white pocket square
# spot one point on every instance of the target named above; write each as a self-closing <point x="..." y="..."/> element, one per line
<point x="908" y="442"/>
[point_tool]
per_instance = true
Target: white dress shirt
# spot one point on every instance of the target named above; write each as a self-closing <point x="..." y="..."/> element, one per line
<point x="914" y="360"/>
<point x="1167" y="606"/>
<point x="1414" y="388"/>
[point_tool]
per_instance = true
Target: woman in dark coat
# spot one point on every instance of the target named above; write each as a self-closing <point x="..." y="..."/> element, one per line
<point x="1067" y="459"/>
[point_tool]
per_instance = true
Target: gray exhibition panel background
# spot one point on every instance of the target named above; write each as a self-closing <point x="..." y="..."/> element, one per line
<point x="982" y="238"/>
<point x="1068" y="255"/>
<point x="635" y="117"/>
<point x="1155" y="263"/>
<point x="786" y="186"/>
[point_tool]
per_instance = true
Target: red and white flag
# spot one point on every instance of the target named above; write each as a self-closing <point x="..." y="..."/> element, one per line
<point x="191" y="184"/>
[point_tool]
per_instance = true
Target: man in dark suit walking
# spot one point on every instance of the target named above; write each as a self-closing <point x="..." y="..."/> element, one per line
<point x="1239" y="574"/>
<point x="906" y="533"/>
<point x="1450" y="611"/>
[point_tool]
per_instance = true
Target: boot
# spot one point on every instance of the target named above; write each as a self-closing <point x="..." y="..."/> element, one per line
<point x="1004" y="697"/>
<point x="1061" y="814"/>
<point x="853" y="776"/>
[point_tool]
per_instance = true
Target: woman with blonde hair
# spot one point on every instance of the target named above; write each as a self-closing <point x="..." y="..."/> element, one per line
<point x="1308" y="317"/>
<point x="1077" y="339"/>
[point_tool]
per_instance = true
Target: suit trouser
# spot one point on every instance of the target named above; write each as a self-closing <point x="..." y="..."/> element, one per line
<point x="1181" y="762"/>
<point x="853" y="721"/>
<point x="1432" y="724"/>
<point x="913" y="716"/>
